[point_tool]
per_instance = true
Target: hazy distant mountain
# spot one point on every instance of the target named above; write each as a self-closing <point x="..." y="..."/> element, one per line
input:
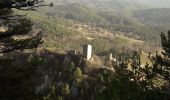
<point x="75" y="12"/>
<point x="156" y="3"/>
<point x="120" y="6"/>
<point x="156" y="16"/>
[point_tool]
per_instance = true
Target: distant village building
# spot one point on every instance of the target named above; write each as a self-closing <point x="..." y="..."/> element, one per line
<point x="87" y="51"/>
<point x="111" y="56"/>
<point x="43" y="85"/>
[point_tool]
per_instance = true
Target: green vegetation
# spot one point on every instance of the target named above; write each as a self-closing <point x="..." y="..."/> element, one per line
<point x="109" y="20"/>
<point x="16" y="26"/>
<point x="61" y="25"/>
<point x="44" y="74"/>
<point x="75" y="12"/>
<point x="66" y="80"/>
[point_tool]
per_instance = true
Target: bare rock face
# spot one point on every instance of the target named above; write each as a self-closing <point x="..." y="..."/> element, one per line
<point x="45" y="81"/>
<point x="66" y="61"/>
<point x="74" y="90"/>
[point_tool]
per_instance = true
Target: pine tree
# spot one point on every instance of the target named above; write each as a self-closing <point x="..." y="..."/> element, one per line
<point x="65" y="89"/>
<point x="166" y="44"/>
<point x="17" y="25"/>
<point x="78" y="76"/>
<point x="161" y="64"/>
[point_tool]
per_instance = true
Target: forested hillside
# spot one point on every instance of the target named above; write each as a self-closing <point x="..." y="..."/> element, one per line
<point x="67" y="20"/>
<point x="75" y="12"/>
<point x="155" y="17"/>
<point x="118" y="6"/>
<point x="84" y="50"/>
<point x="157" y="4"/>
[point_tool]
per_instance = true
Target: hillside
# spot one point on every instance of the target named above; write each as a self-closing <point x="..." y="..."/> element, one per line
<point x="64" y="24"/>
<point x="105" y="19"/>
<point x="118" y="6"/>
<point x="135" y="4"/>
<point x="84" y="50"/>
<point x="61" y="34"/>
<point x="156" y="3"/>
<point x="75" y="12"/>
<point x="157" y="16"/>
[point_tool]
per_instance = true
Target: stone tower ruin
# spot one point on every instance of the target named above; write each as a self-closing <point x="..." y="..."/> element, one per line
<point x="87" y="51"/>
